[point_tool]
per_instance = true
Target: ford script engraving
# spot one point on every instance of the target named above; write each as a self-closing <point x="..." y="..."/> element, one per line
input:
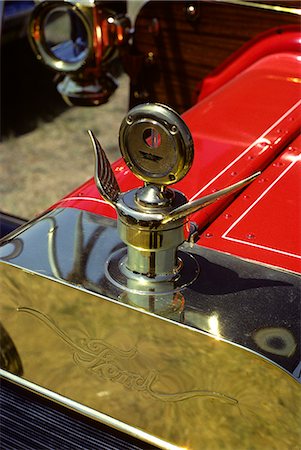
<point x="108" y="362"/>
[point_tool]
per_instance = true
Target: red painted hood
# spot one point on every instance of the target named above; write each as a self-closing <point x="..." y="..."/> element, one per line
<point x="263" y="223"/>
<point x="250" y="123"/>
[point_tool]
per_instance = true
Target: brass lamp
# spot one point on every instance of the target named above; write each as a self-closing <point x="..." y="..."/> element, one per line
<point x="79" y="40"/>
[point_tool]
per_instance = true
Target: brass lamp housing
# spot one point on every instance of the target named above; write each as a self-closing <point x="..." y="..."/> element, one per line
<point x="37" y="36"/>
<point x="88" y="81"/>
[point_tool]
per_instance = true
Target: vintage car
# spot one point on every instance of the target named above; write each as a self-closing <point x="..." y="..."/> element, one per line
<point x="158" y="304"/>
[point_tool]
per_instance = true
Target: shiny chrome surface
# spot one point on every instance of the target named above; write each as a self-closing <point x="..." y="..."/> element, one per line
<point x="164" y="377"/>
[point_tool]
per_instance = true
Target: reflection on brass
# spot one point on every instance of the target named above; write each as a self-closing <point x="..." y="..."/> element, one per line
<point x="124" y="357"/>
<point x="81" y="255"/>
<point x="142" y="289"/>
<point x="105" y="361"/>
<point x="278" y="341"/>
<point x="9" y="357"/>
<point x="15" y="250"/>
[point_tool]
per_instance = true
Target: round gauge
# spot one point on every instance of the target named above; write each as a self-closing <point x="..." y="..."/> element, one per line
<point x="156" y="144"/>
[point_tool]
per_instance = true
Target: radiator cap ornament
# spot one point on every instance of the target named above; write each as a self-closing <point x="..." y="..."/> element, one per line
<point x="158" y="148"/>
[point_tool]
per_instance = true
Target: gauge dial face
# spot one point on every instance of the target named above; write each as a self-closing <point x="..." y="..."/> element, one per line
<point x="156" y="144"/>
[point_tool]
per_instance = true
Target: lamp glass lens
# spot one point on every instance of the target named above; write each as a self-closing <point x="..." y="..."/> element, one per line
<point x="65" y="35"/>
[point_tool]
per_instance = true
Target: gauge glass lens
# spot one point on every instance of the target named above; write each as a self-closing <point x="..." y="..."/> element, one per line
<point x="151" y="150"/>
<point x="152" y="138"/>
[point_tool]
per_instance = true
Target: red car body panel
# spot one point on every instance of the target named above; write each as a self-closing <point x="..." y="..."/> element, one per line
<point x="272" y="41"/>
<point x="238" y="129"/>
<point x="264" y="222"/>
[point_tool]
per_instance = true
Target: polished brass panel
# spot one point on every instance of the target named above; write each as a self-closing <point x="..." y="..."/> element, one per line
<point x="167" y="379"/>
